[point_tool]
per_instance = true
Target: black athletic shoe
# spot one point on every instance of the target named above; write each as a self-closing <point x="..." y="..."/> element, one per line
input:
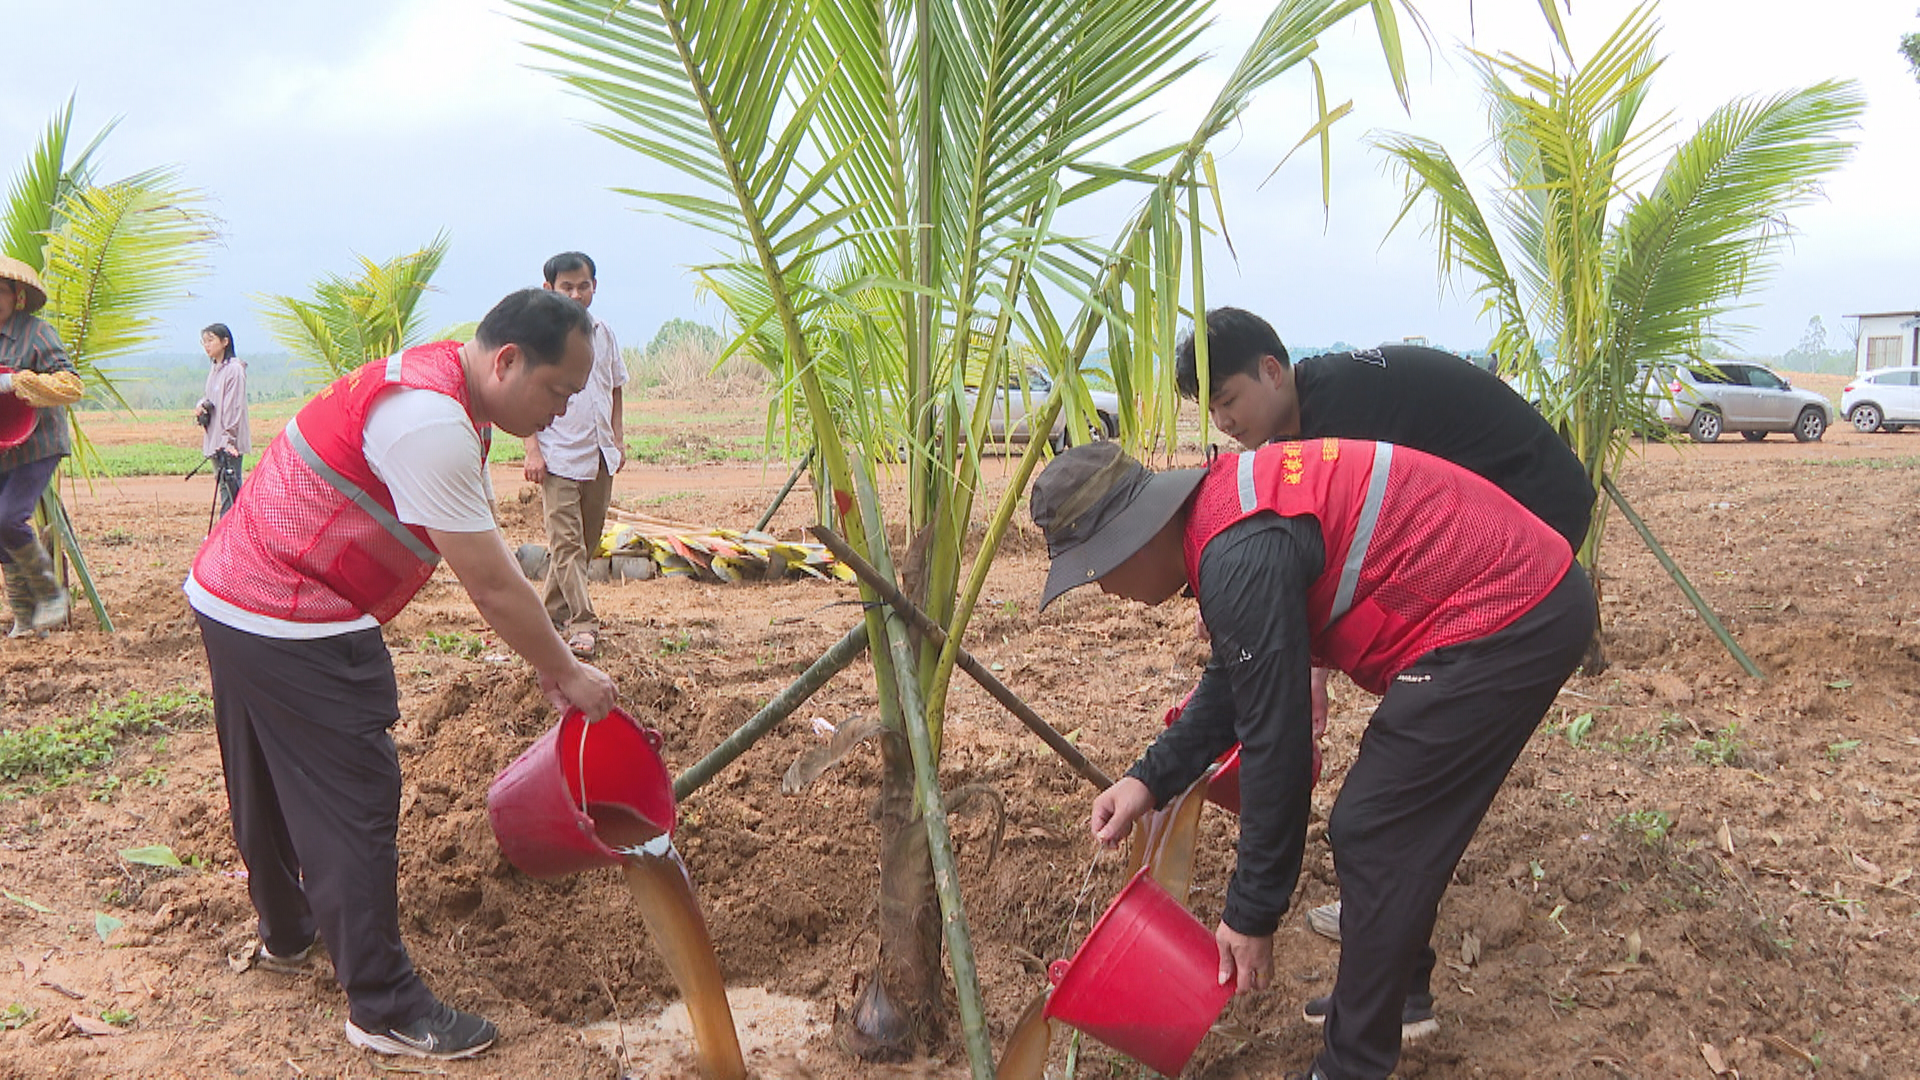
<point x="1416" y="1021"/>
<point x="445" y="1033"/>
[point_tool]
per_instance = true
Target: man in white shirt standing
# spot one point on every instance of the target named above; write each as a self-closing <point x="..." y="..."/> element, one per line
<point x="574" y="460"/>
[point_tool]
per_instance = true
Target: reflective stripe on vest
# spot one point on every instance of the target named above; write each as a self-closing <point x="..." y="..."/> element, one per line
<point x="1362" y="531"/>
<point x="1243" y="475"/>
<point x="388" y="523"/>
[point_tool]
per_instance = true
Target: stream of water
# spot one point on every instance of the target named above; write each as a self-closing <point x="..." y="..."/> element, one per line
<point x="664" y="894"/>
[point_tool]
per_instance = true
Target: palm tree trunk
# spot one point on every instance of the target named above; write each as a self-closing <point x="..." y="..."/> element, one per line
<point x="900" y="1010"/>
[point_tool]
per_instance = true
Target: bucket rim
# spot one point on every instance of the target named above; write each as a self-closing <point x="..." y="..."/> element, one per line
<point x="1069" y="965"/>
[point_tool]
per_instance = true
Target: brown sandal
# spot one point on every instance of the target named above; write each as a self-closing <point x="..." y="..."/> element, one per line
<point x="582" y="644"/>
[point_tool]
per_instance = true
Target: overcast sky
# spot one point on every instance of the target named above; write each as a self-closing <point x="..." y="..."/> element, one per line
<point x="363" y="127"/>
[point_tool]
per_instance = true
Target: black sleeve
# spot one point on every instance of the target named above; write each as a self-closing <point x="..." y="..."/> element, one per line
<point x="1204" y="731"/>
<point x="1253" y="594"/>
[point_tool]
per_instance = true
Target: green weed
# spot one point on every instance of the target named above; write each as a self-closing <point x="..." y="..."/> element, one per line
<point x="676" y="644"/>
<point x="59" y="750"/>
<point x="1725" y="748"/>
<point x="1836" y="751"/>
<point x="16" y="1015"/>
<point x="455" y="643"/>
<point x="1578" y="729"/>
<point x="1650" y="826"/>
<point x="116" y="1016"/>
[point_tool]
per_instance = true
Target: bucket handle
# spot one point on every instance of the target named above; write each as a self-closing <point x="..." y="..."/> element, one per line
<point x="651" y="735"/>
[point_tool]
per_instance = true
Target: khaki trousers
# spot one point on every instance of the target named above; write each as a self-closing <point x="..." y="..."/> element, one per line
<point x="576" y="512"/>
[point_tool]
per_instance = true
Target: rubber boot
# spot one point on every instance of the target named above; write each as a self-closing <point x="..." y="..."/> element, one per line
<point x="20" y="599"/>
<point x="49" y="599"/>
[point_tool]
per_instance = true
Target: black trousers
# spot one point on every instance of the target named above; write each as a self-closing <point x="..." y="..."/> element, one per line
<point x="226" y="480"/>
<point x="314" y="786"/>
<point x="1438" y="747"/>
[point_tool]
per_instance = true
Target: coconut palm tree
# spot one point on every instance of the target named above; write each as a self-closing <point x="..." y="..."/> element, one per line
<point x="887" y="181"/>
<point x="112" y="254"/>
<point x="1594" y="266"/>
<point x="351" y="320"/>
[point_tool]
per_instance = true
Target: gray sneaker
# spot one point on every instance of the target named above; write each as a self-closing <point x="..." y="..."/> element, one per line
<point x="1325" y="920"/>
<point x="445" y="1033"/>
<point x="1416" y="1016"/>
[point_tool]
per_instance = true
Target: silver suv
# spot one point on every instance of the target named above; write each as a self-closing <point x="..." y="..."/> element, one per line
<point x="1008" y="420"/>
<point x="1729" y="395"/>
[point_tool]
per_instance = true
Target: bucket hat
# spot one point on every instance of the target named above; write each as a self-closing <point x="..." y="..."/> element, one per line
<point x="21" y="274"/>
<point x="1097" y="506"/>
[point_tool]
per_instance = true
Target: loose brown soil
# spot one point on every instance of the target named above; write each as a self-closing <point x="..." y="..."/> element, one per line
<point x="1771" y="929"/>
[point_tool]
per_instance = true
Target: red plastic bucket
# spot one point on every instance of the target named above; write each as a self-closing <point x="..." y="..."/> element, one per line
<point x="1145" y="982"/>
<point x="580" y="791"/>
<point x="1223" y="790"/>
<point x="16" y="417"/>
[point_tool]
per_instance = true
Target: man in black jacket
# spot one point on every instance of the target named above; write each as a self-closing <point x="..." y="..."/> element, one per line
<point x="1412" y="396"/>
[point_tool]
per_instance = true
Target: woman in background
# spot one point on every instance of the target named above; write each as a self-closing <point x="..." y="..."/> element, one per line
<point x="35" y="369"/>
<point x="223" y="413"/>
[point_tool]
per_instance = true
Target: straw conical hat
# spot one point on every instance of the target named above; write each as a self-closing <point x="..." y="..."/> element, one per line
<point x="16" y="271"/>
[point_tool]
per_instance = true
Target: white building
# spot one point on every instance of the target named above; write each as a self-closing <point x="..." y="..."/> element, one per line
<point x="1887" y="339"/>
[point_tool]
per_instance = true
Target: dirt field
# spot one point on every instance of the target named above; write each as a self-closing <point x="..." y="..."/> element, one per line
<point x="1689" y="869"/>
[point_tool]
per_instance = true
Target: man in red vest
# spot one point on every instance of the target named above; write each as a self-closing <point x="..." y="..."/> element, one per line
<point x="1424" y="583"/>
<point x="371" y="484"/>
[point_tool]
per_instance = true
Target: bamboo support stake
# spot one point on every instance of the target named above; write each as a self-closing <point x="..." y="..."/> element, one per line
<point x="966" y="662"/>
<point x="792" y="479"/>
<point x="830" y="663"/>
<point x="1680" y="579"/>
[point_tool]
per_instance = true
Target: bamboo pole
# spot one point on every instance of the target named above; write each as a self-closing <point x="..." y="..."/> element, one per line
<point x="56" y="514"/>
<point x="966" y="662"/>
<point x="792" y="479"/>
<point x="830" y="663"/>
<point x="1680" y="579"/>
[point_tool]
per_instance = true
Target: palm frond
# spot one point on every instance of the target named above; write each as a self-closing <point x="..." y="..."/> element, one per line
<point x="349" y="321"/>
<point x="121" y="253"/>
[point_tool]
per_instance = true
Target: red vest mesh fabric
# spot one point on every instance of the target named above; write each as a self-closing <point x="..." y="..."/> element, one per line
<point x="1451" y="557"/>
<point x="295" y="548"/>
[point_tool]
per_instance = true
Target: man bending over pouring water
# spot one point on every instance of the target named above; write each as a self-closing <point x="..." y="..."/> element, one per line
<point x="374" y="481"/>
<point x="1425" y="584"/>
<point x="1408" y="395"/>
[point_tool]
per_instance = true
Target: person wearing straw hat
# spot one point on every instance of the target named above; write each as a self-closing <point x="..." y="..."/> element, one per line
<point x="36" y="375"/>
<point x="349" y="510"/>
<point x="1422" y="581"/>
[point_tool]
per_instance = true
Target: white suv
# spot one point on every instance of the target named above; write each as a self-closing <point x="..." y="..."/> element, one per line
<point x="1884" y="400"/>
<point x="1728" y="395"/>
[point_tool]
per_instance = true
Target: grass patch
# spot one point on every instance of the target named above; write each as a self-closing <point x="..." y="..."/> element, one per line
<point x="48" y="755"/>
<point x="152" y="459"/>
<point x="691" y="448"/>
<point x="455" y="643"/>
<point x="1906" y="462"/>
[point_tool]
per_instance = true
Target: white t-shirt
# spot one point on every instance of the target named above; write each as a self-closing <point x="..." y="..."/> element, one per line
<point x="581" y="439"/>
<point x="442" y="485"/>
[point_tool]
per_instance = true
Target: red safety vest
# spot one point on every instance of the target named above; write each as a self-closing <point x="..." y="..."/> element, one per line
<point x="313" y="536"/>
<point x="1420" y="553"/>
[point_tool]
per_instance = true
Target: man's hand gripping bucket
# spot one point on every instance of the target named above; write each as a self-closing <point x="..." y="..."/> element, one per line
<point x="560" y="809"/>
<point x="1145" y="982"/>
